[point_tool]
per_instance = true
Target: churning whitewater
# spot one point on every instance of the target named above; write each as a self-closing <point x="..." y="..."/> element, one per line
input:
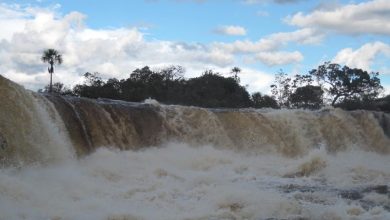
<point x="74" y="158"/>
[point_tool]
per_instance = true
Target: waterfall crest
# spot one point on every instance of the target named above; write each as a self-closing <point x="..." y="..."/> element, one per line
<point x="35" y="127"/>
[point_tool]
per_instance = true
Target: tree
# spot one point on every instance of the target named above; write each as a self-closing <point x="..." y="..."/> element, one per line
<point x="355" y="103"/>
<point x="213" y="90"/>
<point x="172" y="73"/>
<point x="263" y="101"/>
<point x="144" y="75"/>
<point x="92" y="87"/>
<point x="52" y="57"/>
<point x="235" y="71"/>
<point x="57" y="88"/>
<point x="309" y="97"/>
<point x="347" y="83"/>
<point x="384" y="104"/>
<point x="93" y="79"/>
<point x="282" y="88"/>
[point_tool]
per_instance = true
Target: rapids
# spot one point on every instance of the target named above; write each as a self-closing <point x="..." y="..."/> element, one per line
<point x="76" y="158"/>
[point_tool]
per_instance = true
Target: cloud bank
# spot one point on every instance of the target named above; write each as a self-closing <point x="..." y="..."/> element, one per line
<point x="27" y="31"/>
<point x="365" y="18"/>
<point x="114" y="52"/>
<point x="362" y="57"/>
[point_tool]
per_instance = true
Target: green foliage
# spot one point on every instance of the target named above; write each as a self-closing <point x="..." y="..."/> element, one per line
<point x="235" y="71"/>
<point x="168" y="86"/>
<point x="57" y="88"/>
<point x="308" y="97"/>
<point x="163" y="85"/>
<point x="349" y="88"/>
<point x="214" y="90"/>
<point x="92" y="87"/>
<point x="384" y="103"/>
<point x="263" y="101"/>
<point x="355" y="103"/>
<point x="347" y="83"/>
<point x="52" y="57"/>
<point x="282" y="88"/>
<point x="93" y="79"/>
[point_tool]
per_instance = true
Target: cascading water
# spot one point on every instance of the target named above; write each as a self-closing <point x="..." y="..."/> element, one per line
<point x="30" y="128"/>
<point x="76" y="158"/>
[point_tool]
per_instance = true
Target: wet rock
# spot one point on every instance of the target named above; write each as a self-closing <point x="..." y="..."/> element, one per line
<point x="3" y="143"/>
<point x="294" y="188"/>
<point x="367" y="205"/>
<point x="380" y="189"/>
<point x="352" y="195"/>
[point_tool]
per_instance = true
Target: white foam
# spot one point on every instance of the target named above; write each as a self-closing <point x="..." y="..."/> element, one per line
<point x="180" y="182"/>
<point x="151" y="101"/>
<point x="58" y="146"/>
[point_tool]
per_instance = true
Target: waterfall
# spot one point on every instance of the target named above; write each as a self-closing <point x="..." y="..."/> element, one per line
<point x="76" y="158"/>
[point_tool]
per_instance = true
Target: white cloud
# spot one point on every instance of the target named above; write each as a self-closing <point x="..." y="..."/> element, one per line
<point x="257" y="81"/>
<point x="116" y="52"/>
<point x="386" y="88"/>
<point x="231" y="30"/>
<point x="364" y="18"/>
<point x="279" y="58"/>
<point x="112" y="52"/>
<point x="254" y="80"/>
<point x="362" y="57"/>
<point x="274" y="41"/>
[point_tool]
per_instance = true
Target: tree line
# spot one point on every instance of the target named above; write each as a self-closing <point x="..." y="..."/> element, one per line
<point x="331" y="84"/>
<point x="328" y="84"/>
<point x="167" y="85"/>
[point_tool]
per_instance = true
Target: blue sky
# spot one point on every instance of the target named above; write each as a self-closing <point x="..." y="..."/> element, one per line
<point x="260" y="36"/>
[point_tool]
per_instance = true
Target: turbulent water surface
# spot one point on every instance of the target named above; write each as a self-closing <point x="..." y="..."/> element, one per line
<point x="74" y="158"/>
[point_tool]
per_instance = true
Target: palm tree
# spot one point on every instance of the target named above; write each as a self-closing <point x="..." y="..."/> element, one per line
<point x="235" y="72"/>
<point x="52" y="57"/>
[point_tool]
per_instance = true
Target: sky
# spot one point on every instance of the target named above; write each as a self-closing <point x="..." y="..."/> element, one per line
<point x="261" y="37"/>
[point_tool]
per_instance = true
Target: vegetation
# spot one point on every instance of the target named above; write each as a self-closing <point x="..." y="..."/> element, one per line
<point x="52" y="57"/>
<point x="344" y="87"/>
<point x="347" y="83"/>
<point x="57" y="88"/>
<point x="308" y="97"/>
<point x="291" y="92"/>
<point x="168" y="86"/>
<point x="281" y="89"/>
<point x="263" y="101"/>
<point x="329" y="84"/>
<point x="235" y="71"/>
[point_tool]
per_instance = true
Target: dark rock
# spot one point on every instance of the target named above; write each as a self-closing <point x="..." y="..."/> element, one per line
<point x="352" y="195"/>
<point x="298" y="188"/>
<point x="3" y="142"/>
<point x="381" y="189"/>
